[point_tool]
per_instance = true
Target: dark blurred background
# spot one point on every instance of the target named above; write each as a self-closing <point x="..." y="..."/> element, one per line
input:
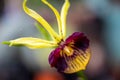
<point x="98" y="19"/>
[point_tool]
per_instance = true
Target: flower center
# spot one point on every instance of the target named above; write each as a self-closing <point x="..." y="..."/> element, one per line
<point x="62" y="42"/>
<point x="66" y="49"/>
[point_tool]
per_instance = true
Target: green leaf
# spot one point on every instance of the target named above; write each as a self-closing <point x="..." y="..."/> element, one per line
<point x="43" y="31"/>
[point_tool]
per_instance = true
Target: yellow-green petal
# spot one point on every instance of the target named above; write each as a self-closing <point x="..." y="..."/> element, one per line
<point x="56" y="14"/>
<point x="32" y="43"/>
<point x="41" y="20"/>
<point x="64" y="12"/>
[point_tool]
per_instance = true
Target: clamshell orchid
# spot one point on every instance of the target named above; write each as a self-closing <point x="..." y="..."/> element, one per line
<point x="71" y="54"/>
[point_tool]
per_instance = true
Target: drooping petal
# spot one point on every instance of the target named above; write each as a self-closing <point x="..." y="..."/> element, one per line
<point x="73" y="55"/>
<point x="56" y="14"/>
<point x="64" y="13"/>
<point x="32" y="43"/>
<point x="41" y="20"/>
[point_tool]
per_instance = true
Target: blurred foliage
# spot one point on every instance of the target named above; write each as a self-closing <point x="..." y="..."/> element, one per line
<point x="56" y="3"/>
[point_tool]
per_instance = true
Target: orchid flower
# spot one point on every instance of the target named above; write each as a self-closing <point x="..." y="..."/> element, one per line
<point x="71" y="54"/>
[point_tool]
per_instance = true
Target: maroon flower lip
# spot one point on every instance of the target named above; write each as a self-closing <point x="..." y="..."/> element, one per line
<point x="72" y="54"/>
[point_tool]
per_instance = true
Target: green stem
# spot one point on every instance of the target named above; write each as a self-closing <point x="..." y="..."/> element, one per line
<point x="81" y="75"/>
